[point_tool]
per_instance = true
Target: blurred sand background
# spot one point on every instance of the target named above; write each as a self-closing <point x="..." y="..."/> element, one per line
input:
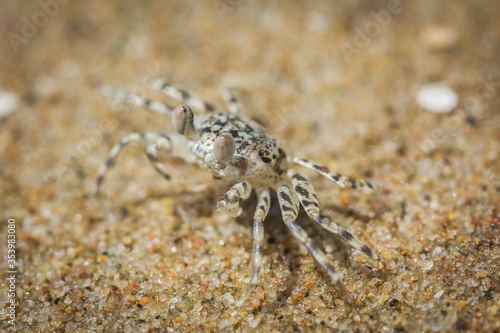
<point x="334" y="82"/>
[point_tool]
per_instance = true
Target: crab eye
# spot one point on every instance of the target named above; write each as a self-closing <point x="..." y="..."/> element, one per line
<point x="224" y="148"/>
<point x="183" y="120"/>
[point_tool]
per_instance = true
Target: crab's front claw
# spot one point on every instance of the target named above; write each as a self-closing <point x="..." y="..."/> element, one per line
<point x="231" y="202"/>
<point x="232" y="209"/>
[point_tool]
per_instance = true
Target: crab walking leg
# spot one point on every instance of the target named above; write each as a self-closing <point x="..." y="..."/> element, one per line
<point x="308" y="199"/>
<point x="151" y="152"/>
<point x="258" y="239"/>
<point x="171" y="91"/>
<point x="232" y="100"/>
<point x="123" y="96"/>
<point x="160" y="141"/>
<point x="332" y="175"/>
<point x="231" y="202"/>
<point x="289" y="209"/>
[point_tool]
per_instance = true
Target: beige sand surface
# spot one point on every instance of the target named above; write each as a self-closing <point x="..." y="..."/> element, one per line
<point x="334" y="82"/>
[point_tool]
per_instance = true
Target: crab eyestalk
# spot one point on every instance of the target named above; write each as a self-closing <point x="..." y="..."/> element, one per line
<point x="224" y="148"/>
<point x="183" y="119"/>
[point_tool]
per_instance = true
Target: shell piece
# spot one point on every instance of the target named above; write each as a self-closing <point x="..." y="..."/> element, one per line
<point x="224" y="148"/>
<point x="437" y="98"/>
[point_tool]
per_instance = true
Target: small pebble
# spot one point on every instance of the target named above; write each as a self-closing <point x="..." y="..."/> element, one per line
<point x="298" y="297"/>
<point x="438" y="294"/>
<point x="252" y="322"/>
<point x="228" y="297"/>
<point x="383" y="298"/>
<point x="426" y="265"/>
<point x="437" y="251"/>
<point x="438" y="37"/>
<point x="9" y="103"/>
<point x="127" y="240"/>
<point x="224" y="323"/>
<point x="393" y="302"/>
<point x="437" y="98"/>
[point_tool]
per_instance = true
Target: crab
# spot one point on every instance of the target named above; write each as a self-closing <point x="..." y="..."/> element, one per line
<point x="236" y="149"/>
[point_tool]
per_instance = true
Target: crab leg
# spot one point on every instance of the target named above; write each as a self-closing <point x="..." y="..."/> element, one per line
<point x="171" y="91"/>
<point x="308" y="199"/>
<point x="156" y="142"/>
<point x="231" y="98"/>
<point x="289" y="204"/>
<point x="258" y="239"/>
<point x="332" y="175"/>
<point x="123" y="96"/>
<point x="231" y="202"/>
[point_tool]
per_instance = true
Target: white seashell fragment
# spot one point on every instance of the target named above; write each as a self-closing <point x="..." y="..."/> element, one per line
<point x="437" y="98"/>
<point x="9" y="103"/>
